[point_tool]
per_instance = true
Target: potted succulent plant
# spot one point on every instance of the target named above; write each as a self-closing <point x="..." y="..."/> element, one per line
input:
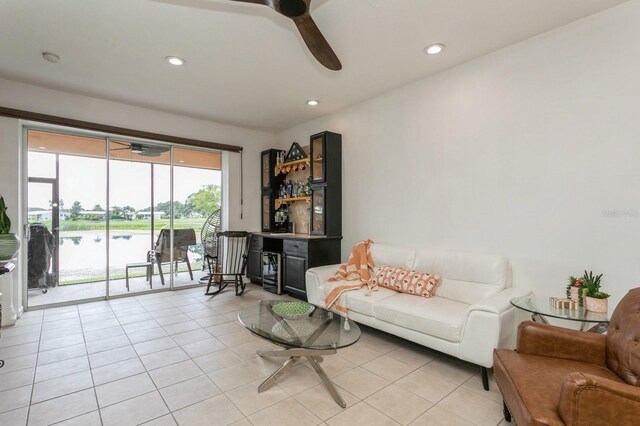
<point x="9" y="243"/>
<point x="573" y="289"/>
<point x="594" y="299"/>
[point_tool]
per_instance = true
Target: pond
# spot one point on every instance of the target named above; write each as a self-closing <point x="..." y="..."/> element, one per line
<point x="83" y="254"/>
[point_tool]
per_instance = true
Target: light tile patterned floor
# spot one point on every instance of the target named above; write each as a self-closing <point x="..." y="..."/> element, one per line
<point x="182" y="358"/>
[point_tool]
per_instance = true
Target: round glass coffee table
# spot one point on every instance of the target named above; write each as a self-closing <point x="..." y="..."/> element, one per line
<point x="311" y="336"/>
<point x="541" y="307"/>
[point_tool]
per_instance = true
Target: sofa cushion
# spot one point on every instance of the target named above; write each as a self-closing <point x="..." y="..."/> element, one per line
<point x="386" y="254"/>
<point x="466" y="277"/>
<point x="362" y="301"/>
<point x="406" y="281"/>
<point x="464" y="266"/>
<point x="465" y="291"/>
<point x="436" y="316"/>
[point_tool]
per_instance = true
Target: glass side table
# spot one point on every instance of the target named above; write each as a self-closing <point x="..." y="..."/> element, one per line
<point x="541" y="307"/>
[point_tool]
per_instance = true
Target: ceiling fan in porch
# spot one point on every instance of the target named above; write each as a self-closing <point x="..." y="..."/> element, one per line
<point x="298" y="12"/>
<point x="141" y="149"/>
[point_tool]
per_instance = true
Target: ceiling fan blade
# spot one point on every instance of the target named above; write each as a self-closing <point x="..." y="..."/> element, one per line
<point x="264" y="2"/>
<point x="316" y="42"/>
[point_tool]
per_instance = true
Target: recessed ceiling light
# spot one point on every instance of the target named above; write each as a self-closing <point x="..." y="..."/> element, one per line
<point x="174" y="60"/>
<point x="181" y="161"/>
<point x="42" y="147"/>
<point x="434" y="49"/>
<point x="51" y="57"/>
<point x="313" y="102"/>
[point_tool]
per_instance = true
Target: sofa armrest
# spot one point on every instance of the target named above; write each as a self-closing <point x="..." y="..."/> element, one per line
<point x="593" y="400"/>
<point x="499" y="302"/>
<point x="315" y="280"/>
<point x="556" y="342"/>
<point x="489" y="324"/>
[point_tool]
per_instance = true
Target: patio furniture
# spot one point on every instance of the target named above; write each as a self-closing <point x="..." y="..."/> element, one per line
<point x="208" y="236"/>
<point x="40" y="250"/>
<point x="229" y="262"/>
<point x="1" y="361"/>
<point x="182" y="239"/>
<point x="149" y="272"/>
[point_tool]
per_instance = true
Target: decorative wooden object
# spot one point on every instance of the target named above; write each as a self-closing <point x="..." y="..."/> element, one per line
<point x="291" y="166"/>
<point x="295" y="153"/>
<point x="281" y="201"/>
<point x="562" y="303"/>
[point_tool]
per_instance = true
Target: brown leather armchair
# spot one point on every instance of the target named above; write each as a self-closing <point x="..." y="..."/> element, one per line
<point x="558" y="376"/>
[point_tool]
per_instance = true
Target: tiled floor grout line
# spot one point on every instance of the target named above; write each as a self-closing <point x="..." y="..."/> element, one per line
<point x="358" y="398"/>
<point x="154" y="383"/>
<point x="93" y="383"/>
<point x="95" y="392"/>
<point x="146" y="372"/>
<point x="222" y="393"/>
<point x="35" y="370"/>
<point x="91" y="372"/>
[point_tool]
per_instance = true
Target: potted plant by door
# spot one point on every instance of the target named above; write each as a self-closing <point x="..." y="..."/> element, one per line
<point x="594" y="299"/>
<point x="9" y="243"/>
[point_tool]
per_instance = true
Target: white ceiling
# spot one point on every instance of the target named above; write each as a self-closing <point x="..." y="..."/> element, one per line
<point x="247" y="65"/>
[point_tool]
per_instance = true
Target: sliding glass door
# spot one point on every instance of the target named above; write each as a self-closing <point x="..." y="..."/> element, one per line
<point x="66" y="218"/>
<point x="101" y="211"/>
<point x="139" y="190"/>
<point x="196" y="194"/>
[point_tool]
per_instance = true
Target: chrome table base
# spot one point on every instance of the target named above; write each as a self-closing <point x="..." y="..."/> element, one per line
<point x="600" y="327"/>
<point x="294" y="354"/>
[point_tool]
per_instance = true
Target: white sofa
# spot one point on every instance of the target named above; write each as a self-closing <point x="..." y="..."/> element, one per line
<point x="469" y="316"/>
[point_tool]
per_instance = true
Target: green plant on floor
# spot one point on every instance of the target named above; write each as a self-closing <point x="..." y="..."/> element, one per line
<point x="5" y="222"/>
<point x="592" y="285"/>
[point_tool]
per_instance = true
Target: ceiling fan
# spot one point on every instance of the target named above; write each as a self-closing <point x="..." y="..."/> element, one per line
<point x="298" y="12"/>
<point x="142" y="150"/>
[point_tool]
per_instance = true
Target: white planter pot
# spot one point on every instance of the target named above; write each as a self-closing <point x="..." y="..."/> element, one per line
<point x="574" y="294"/>
<point x="9" y="246"/>
<point x="596" y="305"/>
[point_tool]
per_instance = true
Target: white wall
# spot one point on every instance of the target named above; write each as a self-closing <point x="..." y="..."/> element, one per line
<point x="46" y="101"/>
<point x="9" y="167"/>
<point x="532" y="152"/>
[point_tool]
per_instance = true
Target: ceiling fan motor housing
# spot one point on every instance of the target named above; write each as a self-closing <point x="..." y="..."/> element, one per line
<point x="292" y="8"/>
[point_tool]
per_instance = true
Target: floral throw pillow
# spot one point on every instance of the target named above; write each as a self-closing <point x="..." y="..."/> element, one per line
<point x="406" y="281"/>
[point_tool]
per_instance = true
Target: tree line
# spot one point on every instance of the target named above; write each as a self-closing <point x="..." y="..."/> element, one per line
<point x="203" y="203"/>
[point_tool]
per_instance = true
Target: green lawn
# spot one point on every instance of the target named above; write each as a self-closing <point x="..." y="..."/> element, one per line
<point x="133" y="274"/>
<point x="125" y="225"/>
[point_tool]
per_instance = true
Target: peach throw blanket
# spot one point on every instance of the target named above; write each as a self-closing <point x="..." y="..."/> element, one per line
<point x="357" y="274"/>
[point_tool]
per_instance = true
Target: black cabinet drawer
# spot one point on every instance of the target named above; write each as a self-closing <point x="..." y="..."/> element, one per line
<point x="295" y="268"/>
<point x="254" y="265"/>
<point x="255" y="242"/>
<point x="296" y="246"/>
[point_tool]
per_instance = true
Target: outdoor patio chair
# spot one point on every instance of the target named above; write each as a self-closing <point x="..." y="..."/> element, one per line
<point x="230" y="262"/>
<point x="209" y="239"/>
<point x="182" y="239"/>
